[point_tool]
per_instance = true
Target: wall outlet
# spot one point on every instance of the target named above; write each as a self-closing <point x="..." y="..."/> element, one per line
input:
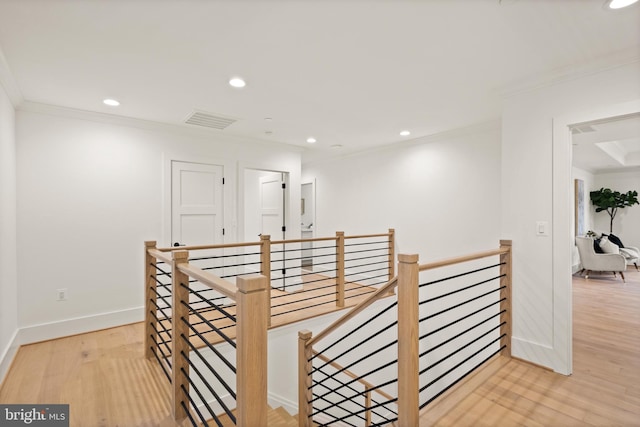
<point x="62" y="294"/>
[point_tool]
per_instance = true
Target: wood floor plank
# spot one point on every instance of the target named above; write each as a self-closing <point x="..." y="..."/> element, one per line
<point x="605" y="385"/>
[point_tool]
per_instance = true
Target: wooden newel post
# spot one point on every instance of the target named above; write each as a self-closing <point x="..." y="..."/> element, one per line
<point x="179" y="336"/>
<point x="408" y="336"/>
<point x="304" y="379"/>
<point x="265" y="268"/>
<point x="150" y="297"/>
<point x="340" y="268"/>
<point x="505" y="296"/>
<point x="251" y="351"/>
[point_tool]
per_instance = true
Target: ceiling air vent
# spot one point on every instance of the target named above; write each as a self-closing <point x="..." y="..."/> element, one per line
<point x="209" y="120"/>
<point x="582" y="129"/>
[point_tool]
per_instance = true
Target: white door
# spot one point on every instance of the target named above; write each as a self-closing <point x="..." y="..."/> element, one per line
<point x="196" y="204"/>
<point x="272" y="221"/>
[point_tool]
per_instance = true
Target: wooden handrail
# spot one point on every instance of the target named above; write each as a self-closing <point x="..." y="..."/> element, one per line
<point x="214" y="282"/>
<point x="461" y="259"/>
<point x="200" y="247"/>
<point x="157" y="253"/>
<point x="380" y="293"/>
<point x="312" y="239"/>
<point x="353" y="376"/>
<point x="364" y="236"/>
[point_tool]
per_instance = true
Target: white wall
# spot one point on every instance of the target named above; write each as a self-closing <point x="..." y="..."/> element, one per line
<point x="89" y="193"/>
<point x="626" y="224"/>
<point x="530" y="164"/>
<point x="8" y="272"/>
<point x="440" y="193"/>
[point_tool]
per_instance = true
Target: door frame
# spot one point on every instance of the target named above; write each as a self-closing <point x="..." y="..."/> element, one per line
<point x="562" y="209"/>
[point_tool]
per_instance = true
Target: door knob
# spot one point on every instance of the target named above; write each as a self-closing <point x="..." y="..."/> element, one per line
<point x="176" y="244"/>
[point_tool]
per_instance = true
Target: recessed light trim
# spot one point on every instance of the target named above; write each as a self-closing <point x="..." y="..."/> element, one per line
<point x="405" y="133"/>
<point x="111" y="102"/>
<point x="237" y="82"/>
<point x="311" y="140"/>
<point x="619" y="4"/>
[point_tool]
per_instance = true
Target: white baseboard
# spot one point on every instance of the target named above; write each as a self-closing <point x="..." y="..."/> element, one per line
<point x="276" y="401"/>
<point x="79" y="325"/>
<point x="7" y="355"/>
<point x="533" y="352"/>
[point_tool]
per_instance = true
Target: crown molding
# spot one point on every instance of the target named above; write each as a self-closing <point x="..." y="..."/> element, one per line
<point x="494" y="125"/>
<point x="113" y="119"/>
<point x="8" y="82"/>
<point x="572" y="72"/>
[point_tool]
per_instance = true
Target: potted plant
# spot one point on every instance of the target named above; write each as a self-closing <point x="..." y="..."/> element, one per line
<point x="610" y="201"/>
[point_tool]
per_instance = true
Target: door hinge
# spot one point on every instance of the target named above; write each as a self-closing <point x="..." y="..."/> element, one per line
<point x="284" y="271"/>
<point x="284" y="185"/>
<point x="284" y="228"/>
<point x="223" y="231"/>
<point x="222" y="180"/>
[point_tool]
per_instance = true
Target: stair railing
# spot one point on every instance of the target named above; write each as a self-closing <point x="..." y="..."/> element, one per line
<point x="206" y="386"/>
<point x="445" y="329"/>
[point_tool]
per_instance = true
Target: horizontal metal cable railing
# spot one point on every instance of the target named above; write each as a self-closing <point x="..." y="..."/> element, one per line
<point x="307" y="276"/>
<point x="463" y="318"/>
<point x="158" y="309"/>
<point x="412" y="349"/>
<point x="350" y="371"/>
<point x="213" y="350"/>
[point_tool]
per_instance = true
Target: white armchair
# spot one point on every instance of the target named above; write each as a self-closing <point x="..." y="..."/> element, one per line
<point x="592" y="261"/>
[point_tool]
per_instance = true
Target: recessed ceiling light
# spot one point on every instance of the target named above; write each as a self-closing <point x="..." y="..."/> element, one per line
<point x="619" y="4"/>
<point x="405" y="133"/>
<point x="111" y="102"/>
<point x="237" y="82"/>
<point x="311" y="140"/>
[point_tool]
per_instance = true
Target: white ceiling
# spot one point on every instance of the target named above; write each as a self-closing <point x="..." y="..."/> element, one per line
<point x="351" y="72"/>
<point x="606" y="146"/>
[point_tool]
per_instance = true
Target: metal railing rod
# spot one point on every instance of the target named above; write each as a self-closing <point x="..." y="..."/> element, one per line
<point x="337" y="420"/>
<point x="461" y="378"/>
<point x="363" y="358"/>
<point x="200" y="247"/>
<point x="423" y="388"/>
<point x="459" y="349"/>
<point x="194" y="423"/>
<point x="461" y="304"/>
<point x="461" y="319"/>
<point x="482" y="282"/>
<point x="243" y="264"/>
<point x="349" y="350"/>
<point x="429" y="350"/>
<point x="193" y="403"/>
<point x="214" y="371"/>
<point x="164" y="368"/>
<point x="213" y="328"/>
<point x="373" y="371"/>
<point x="353" y="331"/>
<point x="205" y="381"/>
<point x="455" y="276"/>
<point x="332" y="405"/>
<point x="366" y="271"/>
<point x="222" y="256"/>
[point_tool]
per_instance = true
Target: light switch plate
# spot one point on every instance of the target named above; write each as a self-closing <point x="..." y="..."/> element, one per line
<point x="542" y="228"/>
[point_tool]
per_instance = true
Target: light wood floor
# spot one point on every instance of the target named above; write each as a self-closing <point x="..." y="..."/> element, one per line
<point x="106" y="381"/>
<point x="604" y="389"/>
